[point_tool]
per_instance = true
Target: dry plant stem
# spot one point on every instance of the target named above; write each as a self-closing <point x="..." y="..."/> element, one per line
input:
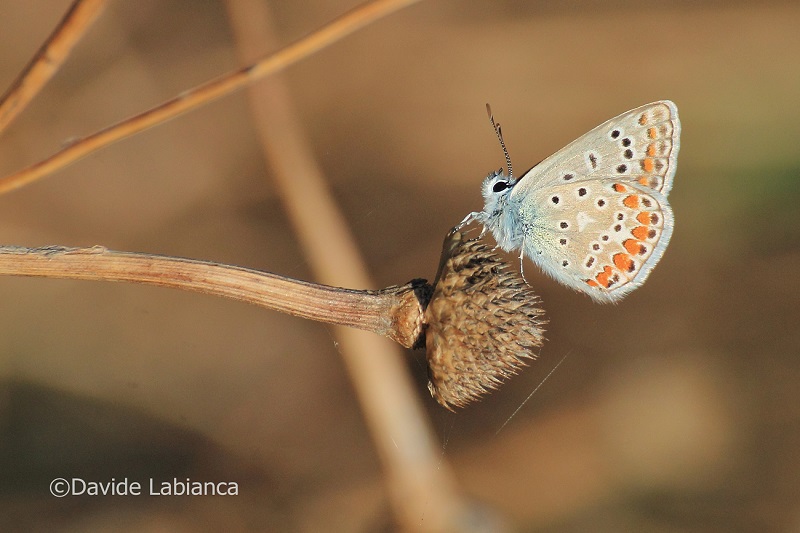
<point x="49" y="58"/>
<point x="382" y="312"/>
<point x="221" y="86"/>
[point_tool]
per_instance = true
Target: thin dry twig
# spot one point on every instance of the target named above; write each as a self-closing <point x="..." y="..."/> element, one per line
<point x="49" y="58"/>
<point x="203" y="94"/>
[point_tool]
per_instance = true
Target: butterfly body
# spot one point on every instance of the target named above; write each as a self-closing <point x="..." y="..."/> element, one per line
<point x="595" y="214"/>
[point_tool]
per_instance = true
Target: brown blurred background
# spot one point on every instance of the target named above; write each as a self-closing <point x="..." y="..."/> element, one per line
<point x="676" y="410"/>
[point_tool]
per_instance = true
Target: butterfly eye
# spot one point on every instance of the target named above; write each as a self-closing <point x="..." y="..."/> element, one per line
<point x="500" y="186"/>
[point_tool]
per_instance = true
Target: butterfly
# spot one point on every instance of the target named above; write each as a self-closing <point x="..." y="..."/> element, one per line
<point x="595" y="214"/>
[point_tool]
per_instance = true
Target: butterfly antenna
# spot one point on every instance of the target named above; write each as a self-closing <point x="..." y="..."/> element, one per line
<point x="499" y="133"/>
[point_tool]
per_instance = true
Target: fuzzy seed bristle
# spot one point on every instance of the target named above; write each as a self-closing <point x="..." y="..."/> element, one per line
<point x="483" y="323"/>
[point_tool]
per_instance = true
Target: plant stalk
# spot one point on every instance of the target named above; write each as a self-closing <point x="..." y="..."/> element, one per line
<point x="389" y="312"/>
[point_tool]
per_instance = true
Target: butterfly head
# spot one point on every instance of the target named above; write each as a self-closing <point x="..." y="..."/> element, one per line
<point x="496" y="188"/>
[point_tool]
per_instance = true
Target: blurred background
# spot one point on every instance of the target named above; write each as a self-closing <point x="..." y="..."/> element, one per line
<point x="675" y="410"/>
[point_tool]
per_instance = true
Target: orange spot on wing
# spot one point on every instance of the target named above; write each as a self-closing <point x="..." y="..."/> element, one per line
<point x="631" y="201"/>
<point x="632" y="245"/>
<point x="651" y="149"/>
<point x="652" y="132"/>
<point x="604" y="277"/>
<point x="640" y="232"/>
<point x="643" y="119"/>
<point x="645" y="180"/>
<point x="619" y="187"/>
<point x="647" y="165"/>
<point x="624" y="262"/>
<point x="592" y="283"/>
<point x="643" y="217"/>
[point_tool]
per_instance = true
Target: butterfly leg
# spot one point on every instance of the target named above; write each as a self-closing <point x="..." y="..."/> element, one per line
<point x="478" y="216"/>
<point x="467" y="219"/>
<point x="521" y="269"/>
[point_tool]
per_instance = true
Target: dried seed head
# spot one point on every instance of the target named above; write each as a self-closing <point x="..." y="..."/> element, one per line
<point x="483" y="322"/>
